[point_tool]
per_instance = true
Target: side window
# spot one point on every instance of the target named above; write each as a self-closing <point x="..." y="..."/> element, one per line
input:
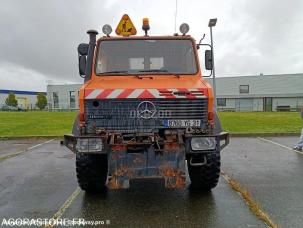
<point x="56" y="99"/>
<point x="221" y="102"/>
<point x="244" y="89"/>
<point x="72" y="99"/>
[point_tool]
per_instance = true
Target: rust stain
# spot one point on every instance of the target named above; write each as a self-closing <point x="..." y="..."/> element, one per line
<point x="171" y="138"/>
<point x="114" y="184"/>
<point x="173" y="178"/>
<point x="121" y="171"/>
<point x="180" y="182"/>
<point x="120" y="175"/>
<point x="118" y="147"/>
<point x="116" y="156"/>
<point x="169" y="146"/>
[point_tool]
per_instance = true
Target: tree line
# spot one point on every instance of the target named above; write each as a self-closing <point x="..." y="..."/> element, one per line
<point x="12" y="101"/>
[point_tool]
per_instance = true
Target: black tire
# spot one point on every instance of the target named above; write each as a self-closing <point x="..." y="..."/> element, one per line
<point x="205" y="177"/>
<point x="92" y="172"/>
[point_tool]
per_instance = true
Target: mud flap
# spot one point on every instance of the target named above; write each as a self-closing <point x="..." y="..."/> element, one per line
<point x="168" y="163"/>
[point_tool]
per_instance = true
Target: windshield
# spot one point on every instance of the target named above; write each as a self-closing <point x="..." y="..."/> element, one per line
<point x="146" y="56"/>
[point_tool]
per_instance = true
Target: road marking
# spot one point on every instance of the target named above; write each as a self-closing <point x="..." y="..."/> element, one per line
<point x="254" y="207"/>
<point x="23" y="151"/>
<point x="64" y="206"/>
<point x="278" y="144"/>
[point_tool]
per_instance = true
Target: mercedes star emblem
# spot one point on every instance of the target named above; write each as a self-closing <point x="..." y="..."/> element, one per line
<point x="146" y="110"/>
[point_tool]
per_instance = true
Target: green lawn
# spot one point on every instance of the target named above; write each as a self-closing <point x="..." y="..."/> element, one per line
<point x="59" y="123"/>
<point x="261" y="122"/>
<point x="35" y="123"/>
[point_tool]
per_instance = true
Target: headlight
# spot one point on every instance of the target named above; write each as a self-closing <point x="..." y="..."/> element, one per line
<point x="89" y="145"/>
<point x="203" y="143"/>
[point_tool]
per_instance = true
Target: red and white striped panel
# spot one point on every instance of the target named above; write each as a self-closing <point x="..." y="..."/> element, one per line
<point x="144" y="93"/>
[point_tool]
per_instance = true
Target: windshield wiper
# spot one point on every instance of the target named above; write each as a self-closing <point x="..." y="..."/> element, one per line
<point x="159" y="70"/>
<point x="114" y="72"/>
<point x="156" y="70"/>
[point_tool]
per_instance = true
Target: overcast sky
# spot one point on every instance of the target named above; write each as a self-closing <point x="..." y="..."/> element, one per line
<point x="38" y="39"/>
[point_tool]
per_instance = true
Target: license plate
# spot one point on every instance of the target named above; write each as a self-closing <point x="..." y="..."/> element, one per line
<point x="182" y="123"/>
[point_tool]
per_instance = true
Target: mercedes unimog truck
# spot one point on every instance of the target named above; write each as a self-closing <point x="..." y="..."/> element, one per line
<point x="145" y="111"/>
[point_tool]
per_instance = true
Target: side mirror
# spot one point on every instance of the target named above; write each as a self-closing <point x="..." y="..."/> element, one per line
<point x="82" y="65"/>
<point x="208" y="60"/>
<point x="83" y="49"/>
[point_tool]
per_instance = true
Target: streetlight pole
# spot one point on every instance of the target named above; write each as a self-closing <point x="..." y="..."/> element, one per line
<point x="211" y="24"/>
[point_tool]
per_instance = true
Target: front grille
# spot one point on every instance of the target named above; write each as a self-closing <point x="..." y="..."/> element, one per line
<point x="122" y="114"/>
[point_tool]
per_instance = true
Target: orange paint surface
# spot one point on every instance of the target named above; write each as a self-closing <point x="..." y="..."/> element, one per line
<point x="152" y="81"/>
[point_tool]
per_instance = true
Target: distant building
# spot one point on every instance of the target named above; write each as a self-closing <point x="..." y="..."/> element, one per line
<point x="63" y="96"/>
<point x="260" y="93"/>
<point x="26" y="99"/>
<point x="244" y="93"/>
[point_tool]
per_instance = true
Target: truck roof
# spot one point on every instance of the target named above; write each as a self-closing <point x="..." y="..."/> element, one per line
<point x="174" y="37"/>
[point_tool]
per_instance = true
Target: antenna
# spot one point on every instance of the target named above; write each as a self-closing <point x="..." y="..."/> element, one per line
<point x="176" y="16"/>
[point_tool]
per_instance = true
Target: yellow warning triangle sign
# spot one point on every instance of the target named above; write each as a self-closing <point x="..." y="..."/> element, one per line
<point x="126" y="27"/>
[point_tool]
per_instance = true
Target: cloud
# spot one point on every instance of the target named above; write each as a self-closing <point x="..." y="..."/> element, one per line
<point x="21" y="78"/>
<point x="264" y="37"/>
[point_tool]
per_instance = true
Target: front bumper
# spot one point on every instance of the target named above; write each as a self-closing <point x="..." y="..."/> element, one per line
<point x="146" y="159"/>
<point x="72" y="142"/>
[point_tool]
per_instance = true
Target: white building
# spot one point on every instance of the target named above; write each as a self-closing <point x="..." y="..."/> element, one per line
<point x="26" y="99"/>
<point x="244" y="93"/>
<point x="63" y="96"/>
<point x="260" y="93"/>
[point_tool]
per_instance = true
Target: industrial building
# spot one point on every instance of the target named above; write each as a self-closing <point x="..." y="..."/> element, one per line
<point x="26" y="99"/>
<point x="63" y="97"/>
<point x="243" y="93"/>
<point x="260" y="93"/>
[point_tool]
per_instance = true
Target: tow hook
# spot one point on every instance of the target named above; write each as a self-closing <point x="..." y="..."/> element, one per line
<point x="198" y="163"/>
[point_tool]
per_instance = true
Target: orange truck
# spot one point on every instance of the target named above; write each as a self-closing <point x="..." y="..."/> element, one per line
<point x="145" y="111"/>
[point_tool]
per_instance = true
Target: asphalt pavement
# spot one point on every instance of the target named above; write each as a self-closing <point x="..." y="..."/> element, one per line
<point x="39" y="181"/>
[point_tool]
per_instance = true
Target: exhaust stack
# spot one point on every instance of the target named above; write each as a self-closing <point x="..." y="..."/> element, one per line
<point x="90" y="55"/>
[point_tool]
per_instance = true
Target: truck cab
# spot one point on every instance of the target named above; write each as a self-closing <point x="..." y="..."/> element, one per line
<point x="145" y="110"/>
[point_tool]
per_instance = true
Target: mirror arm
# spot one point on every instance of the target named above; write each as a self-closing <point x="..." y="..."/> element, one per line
<point x="198" y="45"/>
<point x="200" y="42"/>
